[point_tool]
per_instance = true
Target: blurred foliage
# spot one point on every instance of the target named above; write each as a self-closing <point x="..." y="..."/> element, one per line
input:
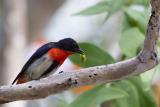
<point x="111" y="6"/>
<point x="95" y="56"/>
<point x="136" y="18"/>
<point x="139" y="94"/>
<point x="132" y="92"/>
<point x="98" y="95"/>
<point x="130" y="41"/>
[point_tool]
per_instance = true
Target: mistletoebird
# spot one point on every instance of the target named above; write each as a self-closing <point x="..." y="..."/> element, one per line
<point x="47" y="59"/>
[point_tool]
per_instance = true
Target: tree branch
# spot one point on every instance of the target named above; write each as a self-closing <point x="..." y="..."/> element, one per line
<point x="147" y="59"/>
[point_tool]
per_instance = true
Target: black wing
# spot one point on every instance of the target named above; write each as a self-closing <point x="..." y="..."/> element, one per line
<point x="40" y="52"/>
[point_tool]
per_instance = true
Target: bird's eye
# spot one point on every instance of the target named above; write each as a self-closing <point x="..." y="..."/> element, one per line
<point x="74" y="45"/>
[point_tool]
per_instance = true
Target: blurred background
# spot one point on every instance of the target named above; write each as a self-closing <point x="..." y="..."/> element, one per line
<point x="108" y="30"/>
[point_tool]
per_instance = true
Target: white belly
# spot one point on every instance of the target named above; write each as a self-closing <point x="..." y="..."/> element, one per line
<point x="39" y="67"/>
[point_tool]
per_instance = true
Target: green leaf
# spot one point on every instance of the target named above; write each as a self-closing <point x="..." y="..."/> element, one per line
<point x="137" y="18"/>
<point x="115" y="5"/>
<point x="96" y="9"/>
<point x="95" y="56"/>
<point x="98" y="95"/>
<point x="139" y="93"/>
<point x="133" y="98"/>
<point x="146" y="95"/>
<point x="130" y="41"/>
<point x="143" y="2"/>
<point x="108" y="6"/>
<point x="126" y="24"/>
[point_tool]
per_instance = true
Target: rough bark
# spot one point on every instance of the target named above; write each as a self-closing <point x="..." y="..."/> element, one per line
<point x="147" y="59"/>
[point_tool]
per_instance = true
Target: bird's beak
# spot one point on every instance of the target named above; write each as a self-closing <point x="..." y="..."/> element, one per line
<point x="80" y="51"/>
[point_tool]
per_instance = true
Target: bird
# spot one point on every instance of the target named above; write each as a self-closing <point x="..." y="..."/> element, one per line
<point x="47" y="59"/>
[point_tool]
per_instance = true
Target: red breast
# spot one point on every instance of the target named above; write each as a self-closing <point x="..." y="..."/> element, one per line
<point x="59" y="54"/>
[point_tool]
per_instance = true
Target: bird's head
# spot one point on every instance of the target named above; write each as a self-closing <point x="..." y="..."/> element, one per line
<point x="70" y="45"/>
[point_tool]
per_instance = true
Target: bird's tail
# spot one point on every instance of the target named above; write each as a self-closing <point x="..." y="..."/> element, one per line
<point x="20" y="79"/>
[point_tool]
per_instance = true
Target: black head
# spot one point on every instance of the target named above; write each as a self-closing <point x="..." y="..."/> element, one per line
<point x="70" y="45"/>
